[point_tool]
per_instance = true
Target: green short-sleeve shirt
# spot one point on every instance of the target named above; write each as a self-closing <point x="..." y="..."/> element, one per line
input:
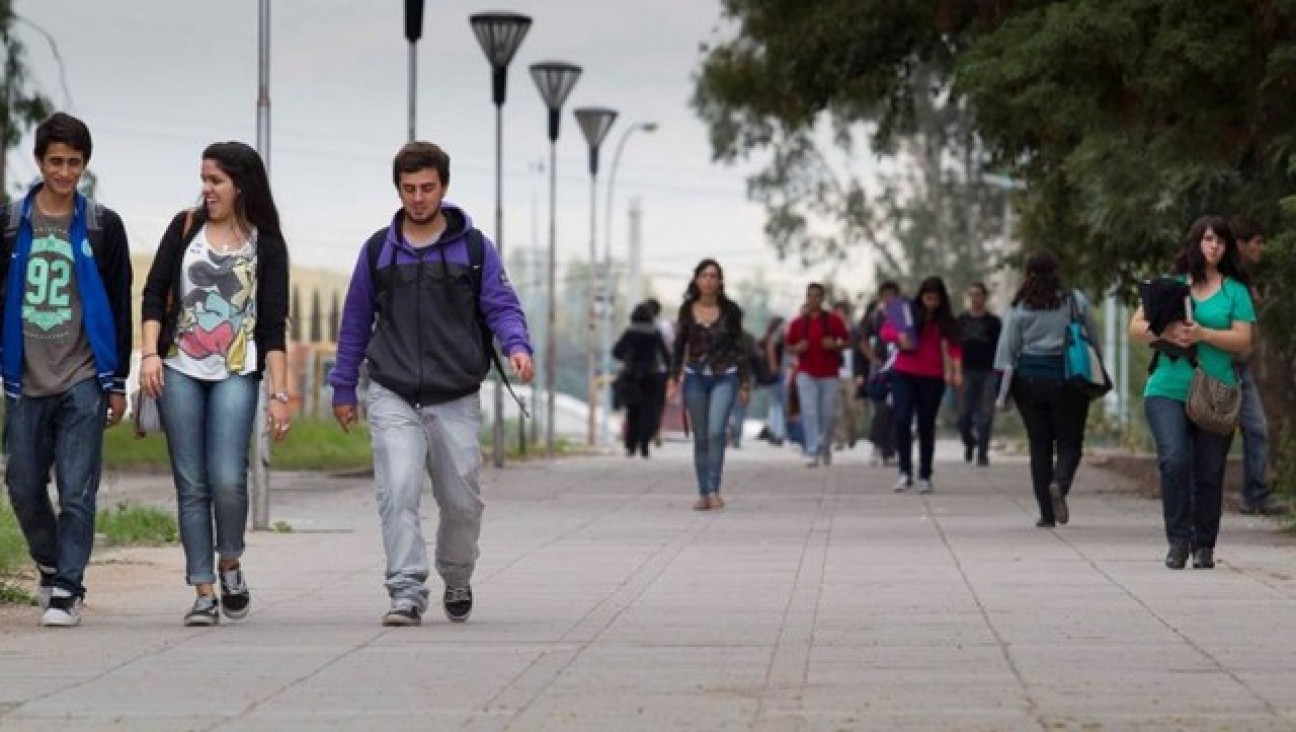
<point x="1217" y="312"/>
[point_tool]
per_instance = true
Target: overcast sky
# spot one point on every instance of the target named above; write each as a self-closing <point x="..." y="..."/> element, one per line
<point x="157" y="80"/>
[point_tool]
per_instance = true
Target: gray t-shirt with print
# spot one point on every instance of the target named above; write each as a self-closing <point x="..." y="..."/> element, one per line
<point x="56" y="351"/>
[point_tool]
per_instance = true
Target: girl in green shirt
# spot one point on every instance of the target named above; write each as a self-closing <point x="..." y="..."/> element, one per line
<point x="1191" y="460"/>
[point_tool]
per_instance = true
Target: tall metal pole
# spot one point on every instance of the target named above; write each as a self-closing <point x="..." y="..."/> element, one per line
<point x="590" y="374"/>
<point x="413" y="86"/>
<point x="532" y="271"/>
<point x="605" y="329"/>
<point x="413" y="32"/>
<point x="261" y="453"/>
<point x="497" y="428"/>
<point x="551" y="329"/>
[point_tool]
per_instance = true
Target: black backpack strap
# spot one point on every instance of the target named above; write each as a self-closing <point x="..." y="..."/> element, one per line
<point x="476" y="244"/>
<point x="373" y="250"/>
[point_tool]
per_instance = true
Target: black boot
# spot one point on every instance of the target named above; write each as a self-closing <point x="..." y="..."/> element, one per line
<point x="1177" y="557"/>
<point x="1204" y="558"/>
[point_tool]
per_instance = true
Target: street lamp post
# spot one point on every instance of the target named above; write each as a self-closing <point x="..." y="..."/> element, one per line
<point x="554" y="80"/>
<point x="261" y="433"/>
<point x="594" y="123"/>
<point x="500" y="35"/>
<point x="605" y="340"/>
<point x="413" y="32"/>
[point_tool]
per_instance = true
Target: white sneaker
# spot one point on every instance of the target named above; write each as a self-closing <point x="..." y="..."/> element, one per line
<point x="925" y="486"/>
<point x="812" y="461"/>
<point x="904" y="484"/>
<point x="64" y="610"/>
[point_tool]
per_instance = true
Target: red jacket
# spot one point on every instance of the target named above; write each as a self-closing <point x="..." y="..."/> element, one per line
<point x="818" y="361"/>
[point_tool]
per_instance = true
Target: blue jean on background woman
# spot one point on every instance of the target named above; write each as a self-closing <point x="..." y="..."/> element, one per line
<point x="709" y="400"/>
<point x="777" y="419"/>
<point x="1191" y="462"/>
<point x="208" y="425"/>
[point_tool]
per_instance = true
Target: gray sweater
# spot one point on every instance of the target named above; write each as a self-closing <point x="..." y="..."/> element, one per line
<point x="1041" y="332"/>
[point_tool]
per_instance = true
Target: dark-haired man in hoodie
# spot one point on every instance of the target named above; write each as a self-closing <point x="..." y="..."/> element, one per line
<point x="413" y="314"/>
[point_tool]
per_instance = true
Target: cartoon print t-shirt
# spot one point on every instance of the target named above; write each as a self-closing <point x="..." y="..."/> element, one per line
<point x="217" y="319"/>
<point x="56" y="351"/>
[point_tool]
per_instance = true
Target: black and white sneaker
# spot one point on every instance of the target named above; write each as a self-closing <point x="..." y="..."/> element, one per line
<point x="458" y="603"/>
<point x="403" y="613"/>
<point x="63" y="611"/>
<point x="235" y="597"/>
<point x="46" y="587"/>
<point x="205" y="611"/>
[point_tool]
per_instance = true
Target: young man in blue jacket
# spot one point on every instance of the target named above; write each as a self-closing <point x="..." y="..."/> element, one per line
<point x="65" y="352"/>
<point x="426" y="295"/>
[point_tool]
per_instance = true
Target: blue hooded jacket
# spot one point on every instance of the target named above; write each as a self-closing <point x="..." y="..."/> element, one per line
<point x="107" y="324"/>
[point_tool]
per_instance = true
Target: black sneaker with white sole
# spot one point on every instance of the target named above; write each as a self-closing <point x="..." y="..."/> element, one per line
<point x="205" y="611"/>
<point x="63" y="611"/>
<point x="235" y="597"/>
<point x="403" y="613"/>
<point x="458" y="602"/>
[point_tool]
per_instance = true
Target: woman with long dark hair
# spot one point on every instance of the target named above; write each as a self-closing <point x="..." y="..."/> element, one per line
<point x="1191" y="460"/>
<point x="1031" y="352"/>
<point x="927" y="362"/>
<point x="215" y="311"/>
<point x="639" y="349"/>
<point x="709" y="361"/>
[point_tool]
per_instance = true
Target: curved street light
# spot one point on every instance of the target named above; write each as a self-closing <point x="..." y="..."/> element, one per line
<point x="555" y="81"/>
<point x="605" y="330"/>
<point x="594" y="123"/>
<point x="500" y="35"/>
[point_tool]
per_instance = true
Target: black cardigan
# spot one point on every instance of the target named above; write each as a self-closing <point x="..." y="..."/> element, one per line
<point x="162" y="288"/>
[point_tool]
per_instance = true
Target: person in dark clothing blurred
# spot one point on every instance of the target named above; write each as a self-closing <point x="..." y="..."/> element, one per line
<point x="640" y="349"/>
<point x="979" y="331"/>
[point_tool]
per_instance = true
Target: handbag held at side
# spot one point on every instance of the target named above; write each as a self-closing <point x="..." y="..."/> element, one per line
<point x="1083" y="366"/>
<point x="1213" y="405"/>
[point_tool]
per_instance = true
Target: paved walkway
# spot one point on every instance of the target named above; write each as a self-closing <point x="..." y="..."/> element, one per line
<point x="819" y="600"/>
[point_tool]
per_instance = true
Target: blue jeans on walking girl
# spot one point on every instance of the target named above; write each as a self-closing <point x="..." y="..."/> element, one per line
<point x="709" y="399"/>
<point x="208" y="425"/>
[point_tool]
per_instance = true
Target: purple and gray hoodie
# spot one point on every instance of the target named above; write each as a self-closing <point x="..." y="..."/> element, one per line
<point x="416" y="323"/>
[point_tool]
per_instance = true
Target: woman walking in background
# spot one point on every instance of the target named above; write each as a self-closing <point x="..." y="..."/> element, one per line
<point x="1191" y="460"/>
<point x="771" y="349"/>
<point x="928" y="360"/>
<point x="709" y="362"/>
<point x="639" y="349"/>
<point x="1031" y="353"/>
<point x="215" y="312"/>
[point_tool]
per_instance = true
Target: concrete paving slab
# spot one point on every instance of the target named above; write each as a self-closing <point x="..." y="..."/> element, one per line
<point x="818" y="600"/>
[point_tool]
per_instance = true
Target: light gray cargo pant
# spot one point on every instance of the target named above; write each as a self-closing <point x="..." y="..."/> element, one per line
<point x="442" y="439"/>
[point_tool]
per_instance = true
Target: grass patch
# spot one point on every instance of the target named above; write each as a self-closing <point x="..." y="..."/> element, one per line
<point x="127" y="525"/>
<point x="12" y="593"/>
<point x="313" y="444"/>
<point x="13" y="547"/>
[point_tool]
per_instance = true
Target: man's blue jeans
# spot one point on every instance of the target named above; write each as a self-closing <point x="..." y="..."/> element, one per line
<point x="709" y="400"/>
<point x="976" y="411"/>
<point x="208" y="425"/>
<point x="1255" y="442"/>
<point x="1191" y="462"/>
<point x="63" y="431"/>
<point x="818" y="397"/>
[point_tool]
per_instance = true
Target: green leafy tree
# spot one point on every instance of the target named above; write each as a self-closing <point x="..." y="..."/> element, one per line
<point x="23" y="105"/>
